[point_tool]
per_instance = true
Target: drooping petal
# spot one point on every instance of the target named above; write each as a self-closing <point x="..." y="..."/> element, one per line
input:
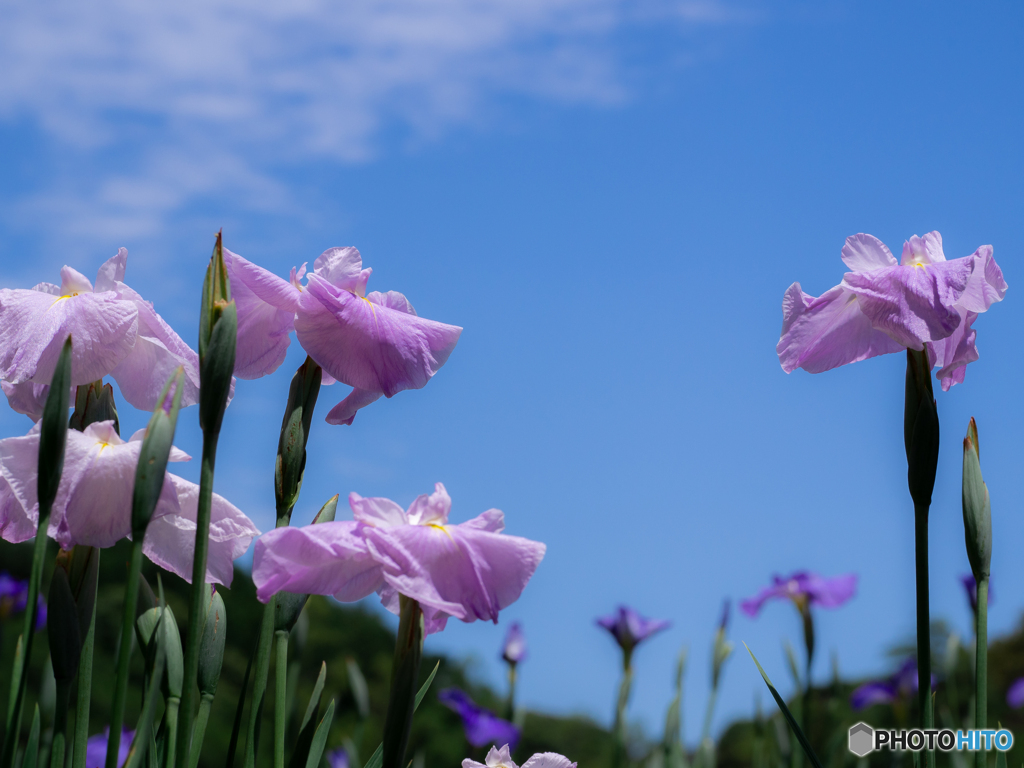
<point x="822" y="333"/>
<point x="34" y="325"/>
<point x="549" y="760"/>
<point x="953" y="353"/>
<point x="865" y="252"/>
<point x="170" y="539"/>
<point x="19" y="468"/>
<point x="323" y="559"/>
<point x="370" y="346"/>
<point x="753" y="605"/>
<point x="157" y="353"/>
<point x="376" y="511"/>
<point x="345" y="411"/>
<point x="27" y="398"/>
<point x="913" y="304"/>
<point x="266" y="307"/>
<point x="482" y="727"/>
<point x="986" y="285"/>
<point x="343" y="267"/>
<point x="463" y="571"/>
<point x="830" y="592"/>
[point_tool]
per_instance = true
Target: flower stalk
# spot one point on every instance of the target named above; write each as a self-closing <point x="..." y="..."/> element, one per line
<point x="404" y="674"/>
<point x="218" y="332"/>
<point x="53" y="437"/>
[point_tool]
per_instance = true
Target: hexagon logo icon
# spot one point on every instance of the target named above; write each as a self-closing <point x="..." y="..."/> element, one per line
<point x="862" y="739"/>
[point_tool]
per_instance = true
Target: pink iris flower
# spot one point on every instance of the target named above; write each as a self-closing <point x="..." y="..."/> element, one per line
<point x="94" y="502"/>
<point x="804" y="589"/>
<point x="374" y="342"/>
<point x="115" y="332"/>
<point x="469" y="571"/>
<point x="884" y="306"/>
<point x="502" y="758"/>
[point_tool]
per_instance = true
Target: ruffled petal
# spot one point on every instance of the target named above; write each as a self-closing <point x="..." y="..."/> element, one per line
<point x="345" y="411"/>
<point x="953" y="353"/>
<point x="370" y="346"/>
<point x="19" y="505"/>
<point x="466" y="572"/>
<point x="343" y="267"/>
<point x="986" y="285"/>
<point x="34" y="325"/>
<point x="376" y="511"/>
<point x="322" y="559"/>
<point x="266" y="307"/>
<point x="913" y="304"/>
<point x="866" y="252"/>
<point x="157" y="354"/>
<point x="170" y="539"/>
<point x="822" y="333"/>
<point x="430" y="509"/>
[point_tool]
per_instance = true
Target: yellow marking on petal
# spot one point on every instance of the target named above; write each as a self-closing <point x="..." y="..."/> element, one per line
<point x="442" y="528"/>
<point x="919" y="264"/>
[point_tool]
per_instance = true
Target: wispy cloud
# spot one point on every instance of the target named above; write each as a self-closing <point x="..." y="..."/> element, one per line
<point x="159" y="104"/>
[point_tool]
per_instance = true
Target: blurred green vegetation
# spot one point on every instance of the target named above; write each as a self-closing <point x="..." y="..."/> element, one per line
<point x="332" y="633"/>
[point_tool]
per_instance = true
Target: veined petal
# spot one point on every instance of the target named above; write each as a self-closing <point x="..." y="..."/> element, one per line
<point x="376" y="511"/>
<point x="266" y="316"/>
<point x="953" y="353"/>
<point x="170" y="539"/>
<point x="343" y="267"/>
<point x="370" y="346"/>
<point x="28" y="397"/>
<point x="111" y="272"/>
<point x="345" y="411"/>
<point x="913" y="304"/>
<point x="158" y="351"/>
<point x="866" y="252"/>
<point x="19" y="505"/>
<point x="825" y="332"/>
<point x="986" y="285"/>
<point x="34" y="325"/>
<point x="323" y="559"/>
<point x="461" y="570"/>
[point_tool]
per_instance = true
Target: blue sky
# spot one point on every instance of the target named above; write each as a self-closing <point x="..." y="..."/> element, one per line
<point x="611" y="198"/>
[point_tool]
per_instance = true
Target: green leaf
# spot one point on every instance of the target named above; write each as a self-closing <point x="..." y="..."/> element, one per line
<point x="797" y="731"/>
<point x="316" y="749"/>
<point x="377" y="758"/>
<point x="62" y="628"/>
<point x="306" y="732"/>
<point x="360" y="690"/>
<point x="53" y="432"/>
<point x="31" y="758"/>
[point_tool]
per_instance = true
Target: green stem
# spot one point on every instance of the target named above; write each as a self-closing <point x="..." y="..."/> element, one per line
<point x="280" y="694"/>
<point x="60" y="724"/>
<point x="199" y="596"/>
<point x="19" y="677"/>
<point x="205" y="704"/>
<point x="124" y="654"/>
<point x="259" y="683"/>
<point x="404" y="673"/>
<point x="84" y="690"/>
<point x="511" y="691"/>
<point x="981" y="670"/>
<point x="924" y="643"/>
<point x="620" y="726"/>
<point x="171" y="724"/>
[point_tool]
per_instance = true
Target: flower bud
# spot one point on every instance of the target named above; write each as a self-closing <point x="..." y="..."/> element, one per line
<point x="62" y="628"/>
<point x="920" y="429"/>
<point x="158" y="624"/>
<point x="94" y="402"/>
<point x="156" y="448"/>
<point x="211" y="646"/>
<point x="218" y="336"/>
<point x="977" y="509"/>
<point x="291" y="448"/>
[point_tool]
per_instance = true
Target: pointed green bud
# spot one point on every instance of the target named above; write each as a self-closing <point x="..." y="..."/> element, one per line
<point x="82" y="565"/>
<point x="218" y="336"/>
<point x="977" y="508"/>
<point x="288" y="606"/>
<point x="94" y="402"/>
<point x="156" y="448"/>
<point x="53" y="433"/>
<point x="211" y="646"/>
<point x="62" y="628"/>
<point x="156" y="628"/>
<point x="291" y="448"/>
<point x="920" y="429"/>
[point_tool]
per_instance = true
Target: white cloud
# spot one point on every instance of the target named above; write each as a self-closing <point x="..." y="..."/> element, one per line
<point x="207" y="95"/>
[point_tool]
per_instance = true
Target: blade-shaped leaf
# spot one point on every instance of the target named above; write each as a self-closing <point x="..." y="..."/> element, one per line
<point x="797" y="731"/>
<point x="31" y="758"/>
<point x="316" y="749"/>
<point x="308" y="729"/>
<point x="377" y="758"/>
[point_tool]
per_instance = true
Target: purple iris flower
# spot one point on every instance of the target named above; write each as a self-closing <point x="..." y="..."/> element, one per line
<point x="94" y="502"/>
<point x="374" y="342"/>
<point x="804" y="589"/>
<point x="338" y="758"/>
<point x="881" y="306"/>
<point x="96" y="748"/>
<point x="514" y="650"/>
<point x="900" y="685"/>
<point x="469" y="571"/>
<point x="1015" y="694"/>
<point x="482" y="726"/>
<point x="115" y="332"/>
<point x="14" y="598"/>
<point x="971" y="588"/>
<point x="502" y="758"/>
<point x="629" y="628"/>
